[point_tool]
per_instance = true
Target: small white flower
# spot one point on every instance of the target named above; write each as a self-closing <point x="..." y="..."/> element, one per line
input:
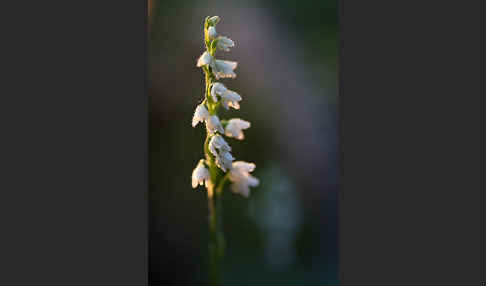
<point x="235" y="128"/>
<point x="224" y="160"/>
<point x="221" y="69"/>
<point x="213" y="124"/>
<point x="224" y="69"/>
<point x="242" y="166"/>
<point x="220" y="149"/>
<point x="200" y="114"/>
<point x="229" y="97"/>
<point x="200" y="175"/>
<point x="225" y="43"/>
<point x="241" y="178"/>
<point x="218" y="89"/>
<point x="205" y="59"/>
<point x="217" y="142"/>
<point x="212" y="32"/>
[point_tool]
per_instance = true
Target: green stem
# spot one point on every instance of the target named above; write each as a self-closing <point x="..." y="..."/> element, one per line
<point x="214" y="274"/>
<point x="216" y="237"/>
<point x="220" y="235"/>
<point x="214" y="203"/>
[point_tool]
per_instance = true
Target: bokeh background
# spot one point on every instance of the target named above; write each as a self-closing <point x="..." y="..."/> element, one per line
<point x="286" y="233"/>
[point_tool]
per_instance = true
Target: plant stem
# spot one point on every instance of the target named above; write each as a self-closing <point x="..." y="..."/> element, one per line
<point x="214" y="273"/>
<point x="216" y="240"/>
<point x="218" y="205"/>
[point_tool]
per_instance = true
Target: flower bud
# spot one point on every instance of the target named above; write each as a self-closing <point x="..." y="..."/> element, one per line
<point x="212" y="32"/>
<point x="213" y="20"/>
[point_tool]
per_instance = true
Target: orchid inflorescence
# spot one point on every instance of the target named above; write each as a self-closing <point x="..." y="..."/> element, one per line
<point x="218" y="168"/>
<point x="217" y="150"/>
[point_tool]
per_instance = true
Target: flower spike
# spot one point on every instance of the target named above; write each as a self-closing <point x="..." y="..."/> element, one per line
<point x="219" y="168"/>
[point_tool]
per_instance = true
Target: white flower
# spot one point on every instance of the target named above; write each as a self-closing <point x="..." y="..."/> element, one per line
<point x="221" y="69"/>
<point x="220" y="149"/>
<point x="213" y="124"/>
<point x="224" y="160"/>
<point x="218" y="89"/>
<point x="225" y="43"/>
<point x="229" y="97"/>
<point x="224" y="69"/>
<point x="241" y="178"/>
<point x="205" y="59"/>
<point x="217" y="142"/>
<point x="242" y="166"/>
<point x="200" y="115"/>
<point x="235" y="127"/>
<point x="212" y="32"/>
<point x="200" y="175"/>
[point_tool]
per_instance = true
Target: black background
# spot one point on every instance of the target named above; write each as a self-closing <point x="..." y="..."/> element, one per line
<point x="74" y="154"/>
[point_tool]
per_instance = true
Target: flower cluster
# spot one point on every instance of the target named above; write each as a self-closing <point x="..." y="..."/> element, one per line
<point x="217" y="94"/>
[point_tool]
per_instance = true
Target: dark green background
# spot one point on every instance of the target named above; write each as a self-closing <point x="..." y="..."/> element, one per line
<point x="286" y="233"/>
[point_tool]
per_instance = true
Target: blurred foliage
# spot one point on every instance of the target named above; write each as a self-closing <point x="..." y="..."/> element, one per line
<point x="315" y="21"/>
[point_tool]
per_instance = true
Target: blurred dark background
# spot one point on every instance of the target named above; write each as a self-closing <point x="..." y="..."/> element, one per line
<point x="286" y="233"/>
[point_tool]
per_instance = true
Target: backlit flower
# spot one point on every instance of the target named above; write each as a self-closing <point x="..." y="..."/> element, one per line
<point x="218" y="89"/>
<point x="217" y="143"/>
<point x="200" y="175"/>
<point x="204" y="59"/>
<point x="213" y="124"/>
<point x="225" y="43"/>
<point x="200" y="115"/>
<point x="235" y="128"/>
<point x="221" y="151"/>
<point x="224" y="69"/>
<point x="240" y="178"/>
<point x="224" y="160"/>
<point x="229" y="97"/>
